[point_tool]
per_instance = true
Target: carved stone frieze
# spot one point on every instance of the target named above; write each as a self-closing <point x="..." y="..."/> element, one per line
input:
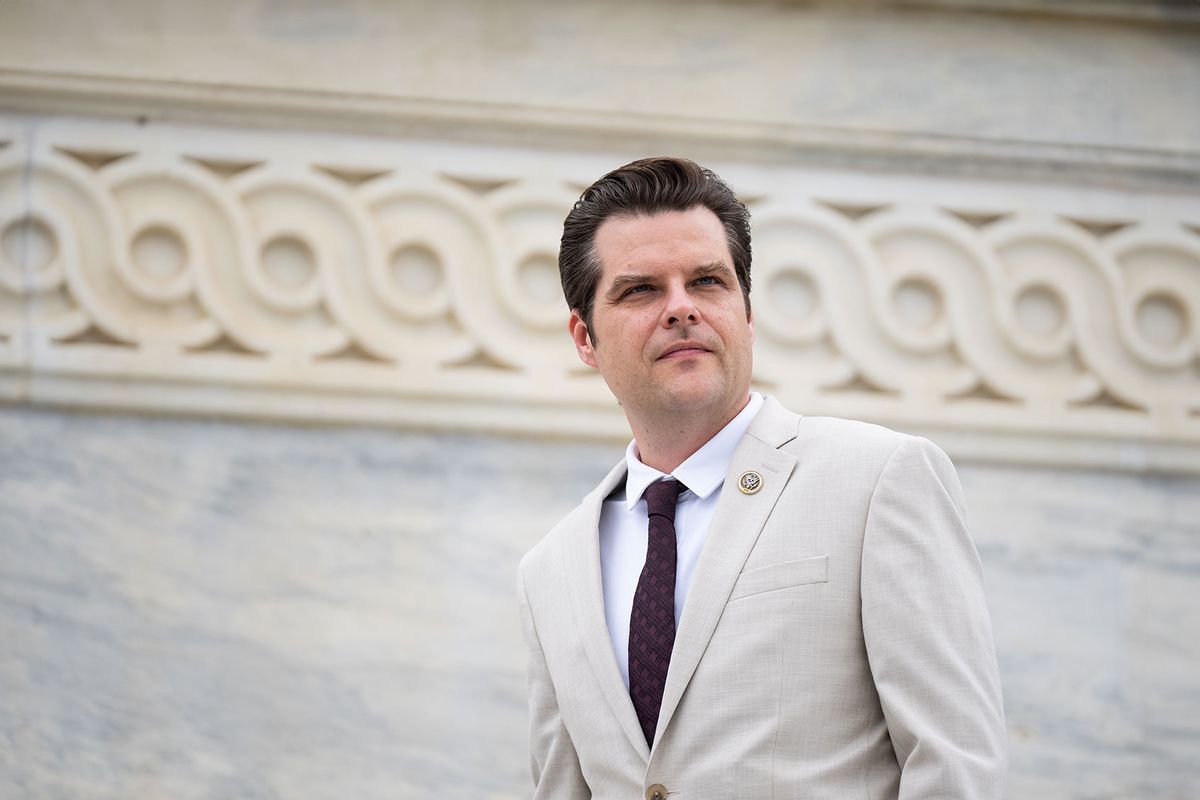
<point x="327" y="277"/>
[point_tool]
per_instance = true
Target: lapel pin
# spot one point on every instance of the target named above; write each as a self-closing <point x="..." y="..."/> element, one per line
<point x="750" y="482"/>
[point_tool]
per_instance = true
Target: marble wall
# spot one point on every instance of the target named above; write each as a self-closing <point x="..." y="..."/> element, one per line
<point x="196" y="609"/>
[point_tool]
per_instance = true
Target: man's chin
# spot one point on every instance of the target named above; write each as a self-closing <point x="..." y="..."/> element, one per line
<point x="690" y="397"/>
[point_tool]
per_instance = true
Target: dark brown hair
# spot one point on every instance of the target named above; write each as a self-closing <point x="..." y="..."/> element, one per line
<point x="645" y="187"/>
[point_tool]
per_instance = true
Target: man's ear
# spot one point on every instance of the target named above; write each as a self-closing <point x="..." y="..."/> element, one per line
<point x="582" y="339"/>
<point x="750" y="321"/>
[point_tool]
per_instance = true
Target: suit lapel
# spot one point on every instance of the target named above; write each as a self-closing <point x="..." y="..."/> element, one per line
<point x="731" y="536"/>
<point x="587" y="596"/>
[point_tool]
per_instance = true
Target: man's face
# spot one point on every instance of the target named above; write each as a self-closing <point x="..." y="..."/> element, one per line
<point x="670" y="332"/>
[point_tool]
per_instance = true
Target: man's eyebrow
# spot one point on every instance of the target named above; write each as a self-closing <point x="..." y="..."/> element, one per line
<point x="621" y="282"/>
<point x="715" y="268"/>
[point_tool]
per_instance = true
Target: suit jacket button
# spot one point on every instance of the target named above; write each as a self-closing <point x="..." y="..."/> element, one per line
<point x="656" y="792"/>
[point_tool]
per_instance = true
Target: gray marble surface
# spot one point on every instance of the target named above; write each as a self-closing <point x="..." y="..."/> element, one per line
<point x="194" y="609"/>
<point x="1094" y="587"/>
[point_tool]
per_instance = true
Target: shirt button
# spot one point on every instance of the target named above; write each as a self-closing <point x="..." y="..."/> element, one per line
<point x="656" y="792"/>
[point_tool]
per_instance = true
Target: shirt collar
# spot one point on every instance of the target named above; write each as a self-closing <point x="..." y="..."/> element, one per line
<point x="704" y="470"/>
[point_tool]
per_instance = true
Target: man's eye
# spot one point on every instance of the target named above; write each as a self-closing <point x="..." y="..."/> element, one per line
<point x="641" y="287"/>
<point x="709" y="280"/>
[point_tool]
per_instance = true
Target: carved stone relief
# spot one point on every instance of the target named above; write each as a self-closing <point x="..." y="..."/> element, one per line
<point x="274" y="275"/>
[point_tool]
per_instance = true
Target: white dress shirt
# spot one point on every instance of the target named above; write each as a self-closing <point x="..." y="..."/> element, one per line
<point x="623" y="525"/>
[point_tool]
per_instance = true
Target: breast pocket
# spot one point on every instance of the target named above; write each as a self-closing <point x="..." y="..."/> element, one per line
<point x="781" y="576"/>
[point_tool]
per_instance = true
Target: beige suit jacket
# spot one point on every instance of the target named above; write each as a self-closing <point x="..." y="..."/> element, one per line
<point x="835" y="642"/>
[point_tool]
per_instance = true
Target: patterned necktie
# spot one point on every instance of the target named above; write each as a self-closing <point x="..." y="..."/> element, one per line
<point x="652" y="622"/>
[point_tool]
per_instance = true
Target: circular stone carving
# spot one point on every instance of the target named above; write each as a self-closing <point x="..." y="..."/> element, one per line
<point x="288" y="261"/>
<point x="794" y="294"/>
<point x="1040" y="310"/>
<point x="1162" y="319"/>
<point x="918" y="302"/>
<point x="416" y="270"/>
<point x="158" y="253"/>
<point x="28" y="242"/>
<point x="538" y="277"/>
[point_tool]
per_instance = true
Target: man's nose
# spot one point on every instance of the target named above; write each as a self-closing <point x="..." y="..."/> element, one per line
<point x="680" y="308"/>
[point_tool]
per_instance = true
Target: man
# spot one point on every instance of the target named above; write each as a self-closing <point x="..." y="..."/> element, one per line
<point x="752" y="604"/>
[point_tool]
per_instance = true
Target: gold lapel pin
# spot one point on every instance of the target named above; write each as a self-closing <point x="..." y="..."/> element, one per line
<point x="750" y="482"/>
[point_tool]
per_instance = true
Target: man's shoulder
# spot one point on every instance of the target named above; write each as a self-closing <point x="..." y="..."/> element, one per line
<point x="839" y="441"/>
<point x="548" y="553"/>
<point x="867" y="448"/>
<point x="853" y="433"/>
<point x="802" y="431"/>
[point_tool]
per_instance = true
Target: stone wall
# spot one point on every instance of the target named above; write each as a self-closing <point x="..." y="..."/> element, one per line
<point x="351" y="211"/>
<point x="974" y="219"/>
<point x="199" y="609"/>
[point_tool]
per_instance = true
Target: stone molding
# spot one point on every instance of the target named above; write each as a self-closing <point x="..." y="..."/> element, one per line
<point x="1163" y="11"/>
<point x="331" y="277"/>
<point x="149" y="100"/>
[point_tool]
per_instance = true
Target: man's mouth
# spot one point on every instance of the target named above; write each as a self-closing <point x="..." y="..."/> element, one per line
<point x="683" y="350"/>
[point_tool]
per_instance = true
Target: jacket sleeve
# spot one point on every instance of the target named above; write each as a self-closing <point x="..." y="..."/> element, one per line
<point x="552" y="757"/>
<point x="928" y="634"/>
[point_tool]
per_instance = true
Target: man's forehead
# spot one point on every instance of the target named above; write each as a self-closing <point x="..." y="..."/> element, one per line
<point x="639" y="221"/>
<point x="635" y="243"/>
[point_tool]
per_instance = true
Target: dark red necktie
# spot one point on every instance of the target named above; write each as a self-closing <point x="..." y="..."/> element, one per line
<point x="652" y="621"/>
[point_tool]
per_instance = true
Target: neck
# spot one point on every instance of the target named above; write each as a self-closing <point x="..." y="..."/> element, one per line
<point x="665" y="441"/>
